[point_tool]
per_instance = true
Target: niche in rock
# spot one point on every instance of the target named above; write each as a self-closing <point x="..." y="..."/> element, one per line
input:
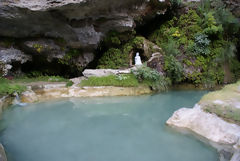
<point x="40" y="66"/>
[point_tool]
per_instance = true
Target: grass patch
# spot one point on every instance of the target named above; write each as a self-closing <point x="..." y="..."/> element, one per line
<point x="227" y="112"/>
<point x="125" y="80"/>
<point x="227" y="93"/>
<point x="39" y="79"/>
<point x="6" y="87"/>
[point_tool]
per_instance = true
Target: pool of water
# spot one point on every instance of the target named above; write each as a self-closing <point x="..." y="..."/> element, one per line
<point x="102" y="129"/>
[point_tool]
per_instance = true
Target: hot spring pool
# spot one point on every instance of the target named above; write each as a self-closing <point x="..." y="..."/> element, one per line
<point x="102" y="129"/>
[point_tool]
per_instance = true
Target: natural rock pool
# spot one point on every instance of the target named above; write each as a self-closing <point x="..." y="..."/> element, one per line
<point x="102" y="129"/>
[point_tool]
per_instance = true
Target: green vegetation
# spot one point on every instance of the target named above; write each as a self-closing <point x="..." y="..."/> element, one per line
<point x="39" y="79"/>
<point x="113" y="59"/>
<point x="152" y="78"/>
<point x="19" y="84"/>
<point x="200" y="41"/>
<point x="69" y="57"/>
<point x="125" y="80"/>
<point x="117" y="49"/>
<point x="6" y="87"/>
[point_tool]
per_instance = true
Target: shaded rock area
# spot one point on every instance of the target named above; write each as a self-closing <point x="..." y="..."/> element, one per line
<point x="50" y="30"/>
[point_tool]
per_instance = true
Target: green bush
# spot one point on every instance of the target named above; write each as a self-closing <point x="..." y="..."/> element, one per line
<point x="201" y="44"/>
<point x="113" y="59"/>
<point x="69" y="83"/>
<point x="151" y="78"/>
<point x="171" y="47"/>
<point x="173" y="68"/>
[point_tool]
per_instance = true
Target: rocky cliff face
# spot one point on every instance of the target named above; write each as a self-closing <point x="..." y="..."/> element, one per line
<point x="49" y="28"/>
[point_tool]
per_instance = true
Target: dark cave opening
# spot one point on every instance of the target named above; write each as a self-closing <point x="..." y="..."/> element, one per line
<point x="40" y="66"/>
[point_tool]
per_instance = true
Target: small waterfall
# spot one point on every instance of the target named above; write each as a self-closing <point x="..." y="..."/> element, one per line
<point x="17" y="100"/>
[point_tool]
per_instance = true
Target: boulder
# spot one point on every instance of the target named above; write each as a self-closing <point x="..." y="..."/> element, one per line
<point x="205" y="124"/>
<point x="157" y="62"/>
<point x="104" y="72"/>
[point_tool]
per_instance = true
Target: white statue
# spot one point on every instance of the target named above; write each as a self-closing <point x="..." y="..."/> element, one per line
<point x="138" y="59"/>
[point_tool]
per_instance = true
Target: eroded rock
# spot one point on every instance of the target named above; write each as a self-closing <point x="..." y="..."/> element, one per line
<point x="104" y="72"/>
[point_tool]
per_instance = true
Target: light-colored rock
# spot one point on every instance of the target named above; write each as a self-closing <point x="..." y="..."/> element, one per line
<point x="29" y="96"/>
<point x="206" y="125"/>
<point x="76" y="91"/>
<point x="3" y="156"/>
<point x="9" y="56"/>
<point x="104" y="72"/>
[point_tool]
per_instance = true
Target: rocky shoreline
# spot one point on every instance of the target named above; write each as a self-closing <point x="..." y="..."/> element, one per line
<point x="222" y="134"/>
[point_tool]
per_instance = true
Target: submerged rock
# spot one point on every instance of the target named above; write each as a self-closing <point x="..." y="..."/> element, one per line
<point x="3" y="156"/>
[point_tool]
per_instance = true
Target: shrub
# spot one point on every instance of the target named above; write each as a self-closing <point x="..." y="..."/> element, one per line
<point x="173" y="68"/>
<point x="114" y="59"/>
<point x="201" y="44"/>
<point x="171" y="47"/>
<point x="151" y="78"/>
<point x="69" y="83"/>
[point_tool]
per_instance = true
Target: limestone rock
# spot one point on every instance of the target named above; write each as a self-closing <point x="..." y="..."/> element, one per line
<point x="29" y="96"/>
<point x="104" y="72"/>
<point x="10" y="56"/>
<point x="81" y="23"/>
<point x="157" y="62"/>
<point x="45" y="47"/>
<point x="206" y="125"/>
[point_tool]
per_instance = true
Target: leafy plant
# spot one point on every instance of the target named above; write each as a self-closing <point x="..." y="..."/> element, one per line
<point x="151" y="78"/>
<point x="113" y="59"/>
<point x="171" y="47"/>
<point x="173" y="68"/>
<point x="201" y="44"/>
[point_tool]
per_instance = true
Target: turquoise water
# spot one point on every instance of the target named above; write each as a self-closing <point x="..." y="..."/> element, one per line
<point x="102" y="129"/>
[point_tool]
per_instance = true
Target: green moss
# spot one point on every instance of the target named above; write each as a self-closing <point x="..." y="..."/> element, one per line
<point x="70" y="56"/>
<point x="38" y="47"/>
<point x="113" y="59"/>
<point x="126" y="80"/>
<point x="227" y="112"/>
